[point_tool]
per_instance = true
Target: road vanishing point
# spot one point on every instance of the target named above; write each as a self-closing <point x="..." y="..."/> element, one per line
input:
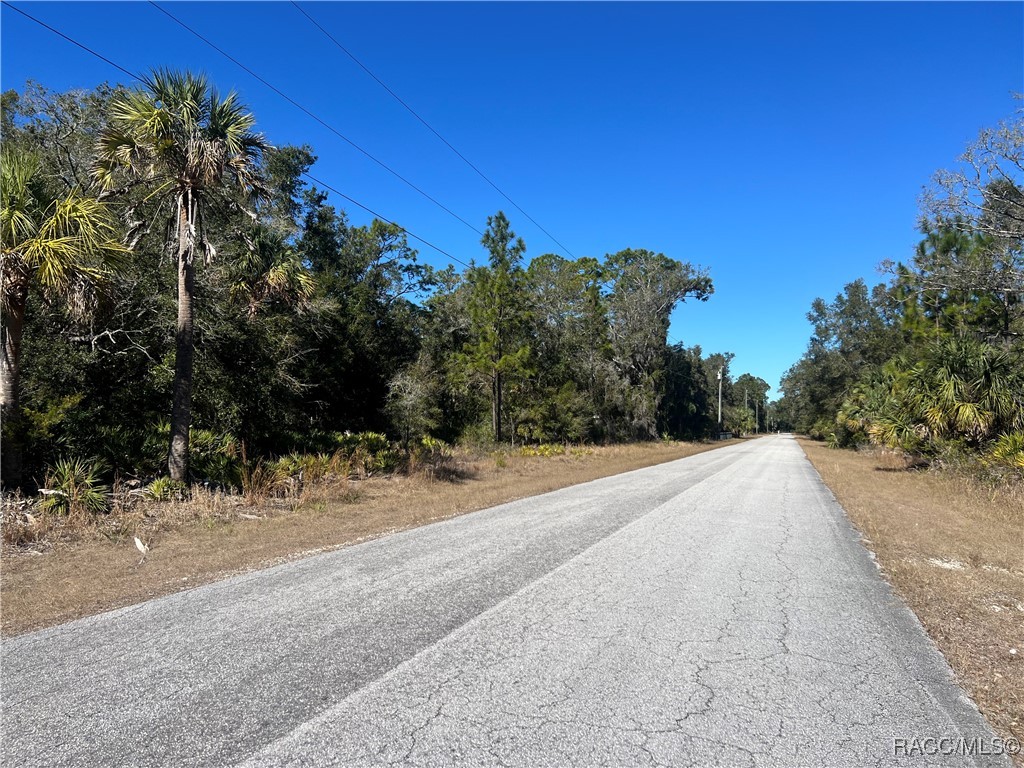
<point x="718" y="610"/>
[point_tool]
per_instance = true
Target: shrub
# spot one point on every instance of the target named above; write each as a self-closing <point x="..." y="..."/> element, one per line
<point x="431" y="449"/>
<point x="166" y="489"/>
<point x="431" y="456"/>
<point x="262" y="479"/>
<point x="311" y="441"/>
<point x="322" y="442"/>
<point x="19" y="526"/>
<point x="73" y="487"/>
<point x="339" y="464"/>
<point x="477" y="439"/>
<point x="213" y="457"/>
<point x="821" y="429"/>
<point x="960" y="391"/>
<point x="367" y="442"/>
<point x="307" y="467"/>
<point x="366" y="453"/>
<point x="544" y="449"/>
<point x="1008" y="450"/>
<point x="386" y="460"/>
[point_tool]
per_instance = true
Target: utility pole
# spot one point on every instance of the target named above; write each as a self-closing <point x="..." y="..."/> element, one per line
<point x="720" y="368"/>
<point x="746" y="408"/>
<point x="757" y="416"/>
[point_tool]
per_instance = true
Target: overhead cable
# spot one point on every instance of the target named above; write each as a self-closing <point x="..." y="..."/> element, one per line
<point x="70" y="40"/>
<point x="140" y="78"/>
<point x="327" y="186"/>
<point x="429" y="127"/>
<point x="318" y="119"/>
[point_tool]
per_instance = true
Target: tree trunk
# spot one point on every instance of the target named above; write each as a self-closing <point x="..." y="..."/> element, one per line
<point x="181" y="410"/>
<point x="496" y="406"/>
<point x="10" y="408"/>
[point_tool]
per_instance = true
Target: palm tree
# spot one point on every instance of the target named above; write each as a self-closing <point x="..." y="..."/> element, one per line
<point x="270" y="272"/>
<point x="197" y="153"/>
<point x="59" y="243"/>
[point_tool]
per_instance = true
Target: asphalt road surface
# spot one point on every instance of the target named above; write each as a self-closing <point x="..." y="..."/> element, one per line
<point x="717" y="610"/>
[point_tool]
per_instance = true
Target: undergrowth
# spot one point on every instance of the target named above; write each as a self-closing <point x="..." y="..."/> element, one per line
<point x="76" y="503"/>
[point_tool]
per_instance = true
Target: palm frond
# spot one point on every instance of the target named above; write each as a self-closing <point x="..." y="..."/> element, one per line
<point x="17" y="219"/>
<point x="63" y="245"/>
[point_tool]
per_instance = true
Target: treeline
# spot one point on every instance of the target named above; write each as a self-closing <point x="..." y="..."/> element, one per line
<point x="178" y="300"/>
<point x="932" y="361"/>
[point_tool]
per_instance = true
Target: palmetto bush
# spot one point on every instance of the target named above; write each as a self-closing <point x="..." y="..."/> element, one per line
<point x="1009" y="450"/>
<point x="73" y="488"/>
<point x="367" y="442"/>
<point x="867" y="400"/>
<point x="214" y="457"/>
<point x="431" y="457"/>
<point x="367" y="452"/>
<point x="545" y="450"/>
<point x="960" y="391"/>
<point x="308" y="467"/>
<point x="166" y="489"/>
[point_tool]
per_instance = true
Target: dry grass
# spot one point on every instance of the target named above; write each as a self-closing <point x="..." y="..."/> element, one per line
<point x="65" y="570"/>
<point x="953" y="549"/>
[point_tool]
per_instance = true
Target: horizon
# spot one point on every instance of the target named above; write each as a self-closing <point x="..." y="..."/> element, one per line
<point x="785" y="150"/>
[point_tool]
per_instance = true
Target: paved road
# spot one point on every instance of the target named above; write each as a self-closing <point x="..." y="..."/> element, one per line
<point x="717" y="610"/>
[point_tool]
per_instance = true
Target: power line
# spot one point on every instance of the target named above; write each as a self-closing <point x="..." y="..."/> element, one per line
<point x="327" y="186"/>
<point x="73" y="42"/>
<point x="323" y="184"/>
<point x="429" y="126"/>
<point x="322" y="122"/>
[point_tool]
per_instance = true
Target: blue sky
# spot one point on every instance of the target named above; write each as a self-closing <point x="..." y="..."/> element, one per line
<point x="783" y="146"/>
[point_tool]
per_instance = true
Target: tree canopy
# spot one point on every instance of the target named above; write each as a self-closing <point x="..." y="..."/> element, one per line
<point x="933" y="361"/>
<point x="235" y="310"/>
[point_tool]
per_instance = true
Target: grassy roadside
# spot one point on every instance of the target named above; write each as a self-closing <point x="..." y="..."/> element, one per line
<point x="201" y="541"/>
<point x="954" y="552"/>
